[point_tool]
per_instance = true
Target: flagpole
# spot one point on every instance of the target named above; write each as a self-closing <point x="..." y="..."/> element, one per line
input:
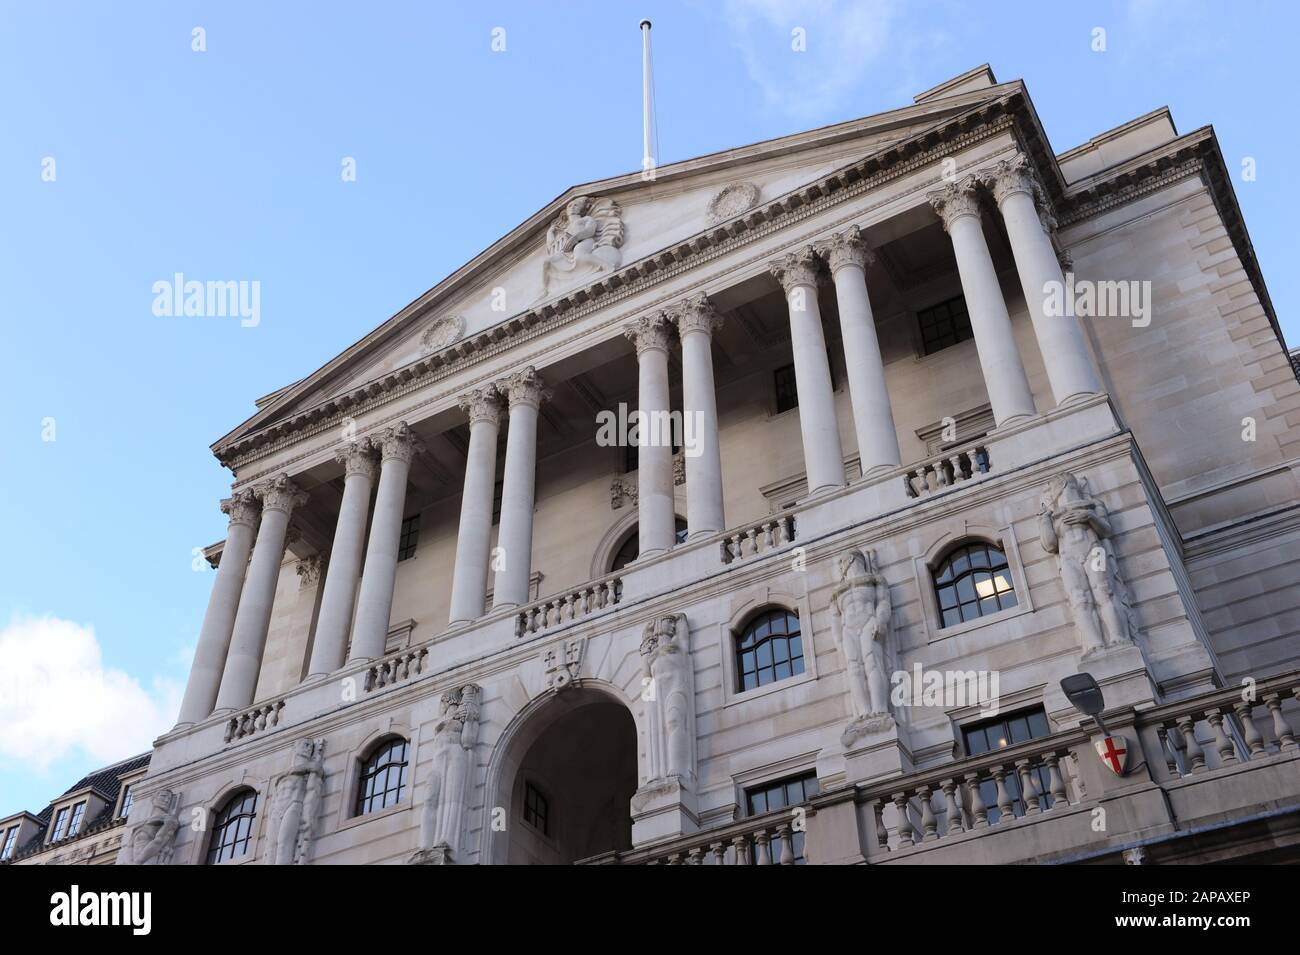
<point x="647" y="158"/>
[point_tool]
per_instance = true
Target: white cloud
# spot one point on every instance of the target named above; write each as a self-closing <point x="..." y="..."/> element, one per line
<point x="846" y="41"/>
<point x="57" y="698"/>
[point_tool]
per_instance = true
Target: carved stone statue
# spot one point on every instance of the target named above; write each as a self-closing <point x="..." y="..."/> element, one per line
<point x="861" y="615"/>
<point x="150" y="843"/>
<point x="447" y="793"/>
<point x="296" y="804"/>
<point x="584" y="239"/>
<point x="670" y="698"/>
<point x="1075" y="527"/>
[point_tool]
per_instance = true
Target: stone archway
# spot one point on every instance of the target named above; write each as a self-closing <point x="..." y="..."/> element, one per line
<point x="566" y="781"/>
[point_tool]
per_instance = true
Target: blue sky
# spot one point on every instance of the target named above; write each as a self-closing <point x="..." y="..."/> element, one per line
<point x="226" y="164"/>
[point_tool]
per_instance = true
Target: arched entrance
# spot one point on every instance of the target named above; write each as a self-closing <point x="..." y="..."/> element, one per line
<point x="567" y="780"/>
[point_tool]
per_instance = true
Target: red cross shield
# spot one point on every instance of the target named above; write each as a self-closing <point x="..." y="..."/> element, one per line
<point x="1113" y="751"/>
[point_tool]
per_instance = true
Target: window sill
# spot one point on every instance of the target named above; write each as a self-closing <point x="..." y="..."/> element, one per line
<point x="966" y="626"/>
<point x="734" y="697"/>
<point x="351" y="821"/>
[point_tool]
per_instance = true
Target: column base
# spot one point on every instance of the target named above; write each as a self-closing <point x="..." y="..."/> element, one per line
<point x="1079" y="397"/>
<point x="876" y="470"/>
<point x="1015" y="420"/>
<point x="663" y="809"/>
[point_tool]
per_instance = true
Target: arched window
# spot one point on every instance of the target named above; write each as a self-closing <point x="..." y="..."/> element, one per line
<point x="631" y="546"/>
<point x="383" y="776"/>
<point x="973" y="580"/>
<point x="232" y="830"/>
<point x="768" y="648"/>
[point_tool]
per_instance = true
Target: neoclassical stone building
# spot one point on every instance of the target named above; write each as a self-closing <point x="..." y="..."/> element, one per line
<point x="929" y="417"/>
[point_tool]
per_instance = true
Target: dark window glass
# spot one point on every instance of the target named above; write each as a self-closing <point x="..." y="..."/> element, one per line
<point x="60" y="823"/>
<point x="11" y="837"/>
<point x="128" y="800"/>
<point x="410" y="537"/>
<point x="787" y="395"/>
<point x="232" y="830"/>
<point x="999" y="733"/>
<point x="536" y="809"/>
<point x="78" y="813"/>
<point x="631" y="547"/>
<point x="769" y="648"/>
<point x="782" y="794"/>
<point x="973" y="581"/>
<point x="944" y="325"/>
<point x="383" y="777"/>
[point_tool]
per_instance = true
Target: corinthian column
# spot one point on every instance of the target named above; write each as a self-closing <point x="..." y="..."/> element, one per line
<point x="656" y="517"/>
<point x="397" y="445"/>
<point x="526" y="391"/>
<point x="339" y="598"/>
<point x="1004" y="373"/>
<point x="873" y="418"/>
<point x="822" y="454"/>
<point x="219" y="621"/>
<point x="696" y="320"/>
<point x="1060" y="339"/>
<point x="469" y="578"/>
<point x="279" y="497"/>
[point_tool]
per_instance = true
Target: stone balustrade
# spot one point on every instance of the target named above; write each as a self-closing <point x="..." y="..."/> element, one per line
<point x="771" y="839"/>
<point x="395" y="669"/>
<point x="259" y="718"/>
<point x="945" y="470"/>
<point x="767" y="535"/>
<point x="1225" y="729"/>
<point x="584" y="601"/>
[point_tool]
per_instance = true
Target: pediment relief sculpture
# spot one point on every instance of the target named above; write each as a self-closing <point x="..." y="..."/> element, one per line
<point x="732" y="200"/>
<point x="584" y="240"/>
<point x="445" y="331"/>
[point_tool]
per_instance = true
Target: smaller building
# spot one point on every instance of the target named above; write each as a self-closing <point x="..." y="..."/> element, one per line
<point x="84" y="826"/>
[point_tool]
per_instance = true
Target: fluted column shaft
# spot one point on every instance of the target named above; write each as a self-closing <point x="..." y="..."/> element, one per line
<point x="339" y="597"/>
<point x="474" y="538"/>
<point x="525" y="392"/>
<point x="244" y="661"/>
<point x="398" y="446"/>
<point x="656" y="515"/>
<point x="696" y="320"/>
<point x="822" y="452"/>
<point x="219" y="620"/>
<point x="873" y="416"/>
<point x="1004" y="372"/>
<point x="1061" y="341"/>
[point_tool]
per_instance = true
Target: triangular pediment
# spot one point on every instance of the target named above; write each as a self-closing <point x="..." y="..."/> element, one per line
<point x="596" y="229"/>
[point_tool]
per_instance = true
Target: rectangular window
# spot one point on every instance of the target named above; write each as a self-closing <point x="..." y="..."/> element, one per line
<point x="1000" y="732"/>
<point x="128" y="798"/>
<point x="60" y="823"/>
<point x="410" y="537"/>
<point x="782" y="794"/>
<point x="11" y="837"/>
<point x="78" y="812"/>
<point x="787" y="395"/>
<point x="536" y="809"/>
<point x="944" y="325"/>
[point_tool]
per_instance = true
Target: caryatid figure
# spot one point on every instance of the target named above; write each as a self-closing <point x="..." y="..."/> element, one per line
<point x="861" y="614"/>
<point x="670" y="698"/>
<point x="150" y="843"/>
<point x="447" y="792"/>
<point x="297" y="804"/>
<point x="1075" y="527"/>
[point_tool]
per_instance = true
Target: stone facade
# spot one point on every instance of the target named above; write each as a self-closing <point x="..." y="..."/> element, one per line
<point x="1136" y="472"/>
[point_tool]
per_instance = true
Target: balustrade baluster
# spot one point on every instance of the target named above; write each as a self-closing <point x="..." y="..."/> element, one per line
<point x="1254" y="739"/>
<point x="762" y="850"/>
<point x="878" y="811"/>
<point x="1222" y="742"/>
<point x="929" y="822"/>
<point x="1029" y="791"/>
<point x="979" y="812"/>
<point x="1006" y="807"/>
<point x="741" y="846"/>
<point x="719" y="853"/>
<point x="1055" y="781"/>
<point x="955" y="825"/>
<point x="906" y="834"/>
<point x="1281" y="728"/>
<point x="1192" y="748"/>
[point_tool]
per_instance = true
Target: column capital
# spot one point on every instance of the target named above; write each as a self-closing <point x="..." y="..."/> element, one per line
<point x="695" y="314"/>
<point x="1009" y="177"/>
<point x="526" y="387"/>
<point x="800" y="267"/>
<point x="242" y="507"/>
<point x="482" y="404"/>
<point x="357" y="457"/>
<point x="309" y="570"/>
<point x="397" y="443"/>
<point x="650" y="332"/>
<point x="957" y="199"/>
<point x="280" y="494"/>
<point x="845" y="248"/>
